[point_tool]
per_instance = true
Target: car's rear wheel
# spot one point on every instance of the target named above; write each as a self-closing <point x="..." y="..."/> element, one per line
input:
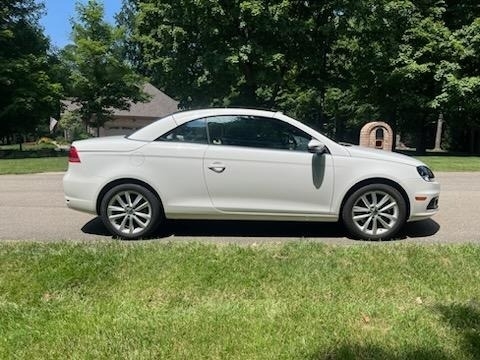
<point x="131" y="211"/>
<point x="374" y="212"/>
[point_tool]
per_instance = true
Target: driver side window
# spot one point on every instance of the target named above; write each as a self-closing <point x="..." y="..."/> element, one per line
<point x="258" y="132"/>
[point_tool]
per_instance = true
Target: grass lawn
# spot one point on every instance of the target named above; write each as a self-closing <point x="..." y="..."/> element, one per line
<point x="451" y="163"/>
<point x="32" y="165"/>
<point x="295" y="301"/>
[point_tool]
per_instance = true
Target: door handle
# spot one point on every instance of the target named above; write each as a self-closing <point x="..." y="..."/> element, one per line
<point x="217" y="167"/>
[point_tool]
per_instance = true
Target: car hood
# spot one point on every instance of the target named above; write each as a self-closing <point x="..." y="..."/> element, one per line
<point x="367" y="153"/>
<point x="108" y="143"/>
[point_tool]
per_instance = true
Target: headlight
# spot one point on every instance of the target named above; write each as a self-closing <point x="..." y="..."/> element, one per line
<point x="425" y="173"/>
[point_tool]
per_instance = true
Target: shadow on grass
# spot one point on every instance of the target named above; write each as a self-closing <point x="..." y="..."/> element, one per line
<point x="270" y="229"/>
<point x="465" y="320"/>
<point x="373" y="352"/>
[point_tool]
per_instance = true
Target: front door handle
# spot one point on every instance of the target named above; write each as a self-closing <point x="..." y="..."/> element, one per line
<point x="217" y="167"/>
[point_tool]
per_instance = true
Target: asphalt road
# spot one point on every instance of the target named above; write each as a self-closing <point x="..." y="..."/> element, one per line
<point x="32" y="208"/>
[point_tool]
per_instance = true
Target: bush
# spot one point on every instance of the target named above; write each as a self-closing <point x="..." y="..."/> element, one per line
<point x="40" y="146"/>
<point x="60" y="140"/>
<point x="37" y="153"/>
<point x="81" y="135"/>
<point x="45" y="140"/>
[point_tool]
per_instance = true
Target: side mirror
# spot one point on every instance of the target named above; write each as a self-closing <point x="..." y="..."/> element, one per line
<point x="316" y="147"/>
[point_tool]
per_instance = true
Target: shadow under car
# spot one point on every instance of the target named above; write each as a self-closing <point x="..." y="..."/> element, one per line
<point x="271" y="229"/>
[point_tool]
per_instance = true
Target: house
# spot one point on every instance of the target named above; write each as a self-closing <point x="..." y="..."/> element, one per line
<point x="139" y="115"/>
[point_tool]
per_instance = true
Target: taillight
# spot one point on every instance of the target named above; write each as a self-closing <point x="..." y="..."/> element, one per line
<point x="73" y="155"/>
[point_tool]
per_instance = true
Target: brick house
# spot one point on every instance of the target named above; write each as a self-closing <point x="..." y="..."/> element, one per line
<point x="140" y="114"/>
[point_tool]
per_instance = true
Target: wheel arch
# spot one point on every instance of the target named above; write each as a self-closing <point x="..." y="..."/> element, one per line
<point x="377" y="180"/>
<point x="122" y="181"/>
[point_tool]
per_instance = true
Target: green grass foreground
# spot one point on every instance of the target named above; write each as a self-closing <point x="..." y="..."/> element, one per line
<point x="451" y="163"/>
<point x="33" y="165"/>
<point x="293" y="301"/>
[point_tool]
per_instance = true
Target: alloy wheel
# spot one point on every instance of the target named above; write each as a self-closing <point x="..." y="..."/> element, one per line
<point x="375" y="213"/>
<point x="129" y="212"/>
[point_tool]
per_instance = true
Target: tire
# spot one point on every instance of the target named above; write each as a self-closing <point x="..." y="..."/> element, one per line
<point x="374" y="212"/>
<point x="131" y="211"/>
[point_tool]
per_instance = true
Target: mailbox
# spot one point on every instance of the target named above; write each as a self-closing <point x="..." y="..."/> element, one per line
<point x="377" y="135"/>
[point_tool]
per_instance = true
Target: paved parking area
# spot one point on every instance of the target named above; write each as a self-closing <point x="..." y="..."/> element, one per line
<point x="32" y="208"/>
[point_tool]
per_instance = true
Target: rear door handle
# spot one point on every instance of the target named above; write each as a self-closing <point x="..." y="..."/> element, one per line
<point x="218" y="167"/>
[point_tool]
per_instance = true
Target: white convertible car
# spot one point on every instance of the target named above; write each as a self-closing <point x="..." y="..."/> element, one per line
<point x="248" y="165"/>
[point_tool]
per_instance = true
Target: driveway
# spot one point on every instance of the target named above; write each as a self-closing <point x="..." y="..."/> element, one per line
<point x="32" y="208"/>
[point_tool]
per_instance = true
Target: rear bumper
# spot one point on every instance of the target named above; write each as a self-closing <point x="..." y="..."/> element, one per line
<point x="80" y="205"/>
<point x="81" y="192"/>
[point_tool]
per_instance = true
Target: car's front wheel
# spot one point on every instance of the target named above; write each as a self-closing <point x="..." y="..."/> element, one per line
<point x="374" y="212"/>
<point x="131" y="211"/>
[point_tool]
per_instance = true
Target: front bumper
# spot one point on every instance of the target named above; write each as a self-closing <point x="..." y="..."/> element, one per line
<point x="425" y="200"/>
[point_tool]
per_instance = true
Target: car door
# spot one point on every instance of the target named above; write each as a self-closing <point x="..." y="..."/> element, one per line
<point x="262" y="165"/>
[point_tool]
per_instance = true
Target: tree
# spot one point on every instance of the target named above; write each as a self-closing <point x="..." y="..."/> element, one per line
<point x="130" y="49"/>
<point x="333" y="63"/>
<point x="71" y="123"/>
<point x="461" y="90"/>
<point x="237" y="53"/>
<point x="28" y="95"/>
<point x="396" y="56"/>
<point x="100" y="79"/>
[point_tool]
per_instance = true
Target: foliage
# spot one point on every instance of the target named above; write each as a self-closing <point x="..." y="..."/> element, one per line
<point x="45" y="140"/>
<point x="393" y="55"/>
<point x="18" y="152"/>
<point x="292" y="301"/>
<point x="461" y="91"/>
<point x="129" y="48"/>
<point x="100" y="79"/>
<point x="241" y="53"/>
<point x="28" y="95"/>
<point x="72" y="123"/>
<point x="332" y="63"/>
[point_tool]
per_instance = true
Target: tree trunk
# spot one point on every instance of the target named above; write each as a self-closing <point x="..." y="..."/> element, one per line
<point x="471" y="141"/>
<point x="421" y="148"/>
<point x="438" y="134"/>
<point x="477" y="141"/>
<point x="391" y="120"/>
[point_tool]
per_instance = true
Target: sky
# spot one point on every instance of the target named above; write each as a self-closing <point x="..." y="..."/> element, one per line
<point x="56" y="21"/>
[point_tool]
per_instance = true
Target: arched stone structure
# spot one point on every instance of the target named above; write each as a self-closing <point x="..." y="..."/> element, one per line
<point x="377" y="135"/>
